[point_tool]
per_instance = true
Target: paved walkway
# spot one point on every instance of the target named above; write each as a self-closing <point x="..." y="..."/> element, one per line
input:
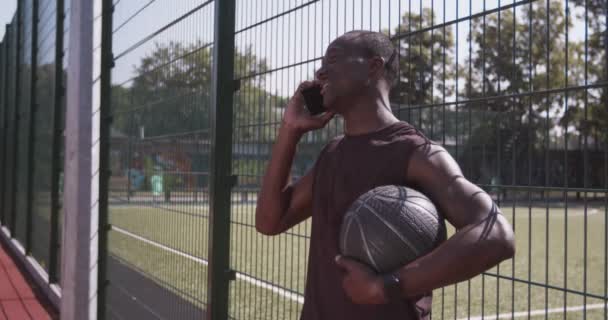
<point x="18" y="297"/>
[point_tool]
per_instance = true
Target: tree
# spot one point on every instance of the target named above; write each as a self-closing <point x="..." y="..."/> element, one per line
<point x="169" y="102"/>
<point x="426" y="68"/>
<point x="513" y="55"/>
<point x="597" y="58"/>
<point x="171" y="92"/>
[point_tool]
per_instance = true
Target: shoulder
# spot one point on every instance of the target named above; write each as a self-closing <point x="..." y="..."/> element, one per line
<point x="431" y="162"/>
<point x="421" y="152"/>
<point x="408" y="133"/>
<point x="412" y="140"/>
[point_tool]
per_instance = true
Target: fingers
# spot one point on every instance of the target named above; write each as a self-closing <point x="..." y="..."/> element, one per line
<point x="305" y="85"/>
<point x="325" y="118"/>
<point x="317" y="122"/>
<point x="345" y="263"/>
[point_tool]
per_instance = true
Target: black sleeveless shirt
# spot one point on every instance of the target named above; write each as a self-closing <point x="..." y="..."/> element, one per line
<point x="347" y="167"/>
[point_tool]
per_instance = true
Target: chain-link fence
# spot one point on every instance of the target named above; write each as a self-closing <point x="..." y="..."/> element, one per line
<point x="31" y="158"/>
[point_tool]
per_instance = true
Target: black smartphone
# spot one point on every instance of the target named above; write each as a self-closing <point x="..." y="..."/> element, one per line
<point x="313" y="100"/>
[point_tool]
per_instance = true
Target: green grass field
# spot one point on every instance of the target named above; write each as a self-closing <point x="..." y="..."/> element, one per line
<point x="281" y="261"/>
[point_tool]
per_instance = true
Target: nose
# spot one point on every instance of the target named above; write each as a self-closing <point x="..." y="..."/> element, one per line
<point x="321" y="74"/>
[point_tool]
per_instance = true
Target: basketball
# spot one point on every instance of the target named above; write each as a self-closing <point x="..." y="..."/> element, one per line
<point x="390" y="226"/>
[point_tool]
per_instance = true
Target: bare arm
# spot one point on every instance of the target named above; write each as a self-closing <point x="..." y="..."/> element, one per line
<point x="282" y="205"/>
<point x="483" y="239"/>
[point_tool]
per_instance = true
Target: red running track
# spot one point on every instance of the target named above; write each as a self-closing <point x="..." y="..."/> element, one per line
<point x="19" y="299"/>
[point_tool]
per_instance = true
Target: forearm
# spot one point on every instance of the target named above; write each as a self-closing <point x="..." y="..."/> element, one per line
<point x="272" y="199"/>
<point x="469" y="252"/>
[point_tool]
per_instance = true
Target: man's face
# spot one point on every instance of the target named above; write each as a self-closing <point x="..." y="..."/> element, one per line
<point x="343" y="74"/>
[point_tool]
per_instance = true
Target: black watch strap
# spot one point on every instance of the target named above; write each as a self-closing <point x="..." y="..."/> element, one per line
<point x="392" y="287"/>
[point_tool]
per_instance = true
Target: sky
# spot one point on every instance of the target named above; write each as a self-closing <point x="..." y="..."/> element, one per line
<point x="301" y="35"/>
<point x="9" y="7"/>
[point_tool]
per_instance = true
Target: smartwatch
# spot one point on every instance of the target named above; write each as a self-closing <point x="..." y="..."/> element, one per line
<point x="392" y="287"/>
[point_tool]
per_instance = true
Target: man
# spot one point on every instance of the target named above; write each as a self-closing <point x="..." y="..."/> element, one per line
<point x="376" y="149"/>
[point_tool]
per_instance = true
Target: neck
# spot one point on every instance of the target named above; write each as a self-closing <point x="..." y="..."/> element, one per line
<point x="368" y="113"/>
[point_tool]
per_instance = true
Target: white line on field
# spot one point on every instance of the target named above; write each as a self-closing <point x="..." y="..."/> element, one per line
<point x="535" y="312"/>
<point x="158" y="245"/>
<point x="280" y="291"/>
<point x="300" y="299"/>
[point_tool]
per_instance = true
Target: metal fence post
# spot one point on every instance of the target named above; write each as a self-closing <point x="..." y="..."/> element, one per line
<point x="79" y="260"/>
<point x="57" y="137"/>
<point x="32" y="138"/>
<point x="104" y="151"/>
<point x="4" y="97"/>
<point x="16" y="120"/>
<point x="221" y="180"/>
<point x="3" y="157"/>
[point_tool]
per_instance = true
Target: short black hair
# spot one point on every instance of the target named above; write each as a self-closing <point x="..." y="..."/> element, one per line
<point x="378" y="44"/>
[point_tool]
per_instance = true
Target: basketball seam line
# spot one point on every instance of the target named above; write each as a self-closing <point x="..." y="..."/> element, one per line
<point x="407" y="243"/>
<point x="346" y="229"/>
<point x="365" y="246"/>
<point x="423" y="208"/>
<point x="412" y="202"/>
<point x="422" y="219"/>
<point x="419" y="218"/>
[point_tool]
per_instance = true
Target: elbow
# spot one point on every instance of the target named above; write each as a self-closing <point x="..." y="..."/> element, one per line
<point x="507" y="249"/>
<point x="504" y="239"/>
<point x="265" y="229"/>
<point x="263" y="226"/>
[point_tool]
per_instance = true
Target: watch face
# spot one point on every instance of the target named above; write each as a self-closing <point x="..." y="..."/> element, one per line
<point x="392" y="287"/>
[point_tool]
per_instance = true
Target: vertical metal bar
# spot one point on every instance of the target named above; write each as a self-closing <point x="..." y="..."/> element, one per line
<point x="371" y="5"/>
<point x="130" y="121"/>
<point x="3" y="66"/>
<point x="421" y="72"/>
<point x="456" y="133"/>
<point x="3" y="124"/>
<point x="13" y="170"/>
<point x="514" y="156"/>
<point x="79" y="247"/>
<point x="530" y="133"/>
<point x="409" y="61"/>
<point x="586" y="161"/>
<point x="3" y="169"/>
<point x="444" y="79"/>
<point x="32" y="130"/>
<point x="605" y="171"/>
<point x="499" y="145"/>
<point x="3" y="155"/>
<point x="432" y="84"/>
<point x="271" y="246"/>
<point x="255" y="254"/>
<point x="443" y="126"/>
<point x="240" y="125"/>
<point x="546" y="153"/>
<point x="398" y="44"/>
<point x="470" y="147"/>
<point x="104" y="153"/>
<point x="566" y="169"/>
<point x="456" y="106"/>
<point x="483" y="92"/>
<point x="56" y="161"/>
<point x="221" y="161"/>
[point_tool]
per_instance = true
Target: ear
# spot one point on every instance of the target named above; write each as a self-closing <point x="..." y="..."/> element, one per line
<point x="376" y="67"/>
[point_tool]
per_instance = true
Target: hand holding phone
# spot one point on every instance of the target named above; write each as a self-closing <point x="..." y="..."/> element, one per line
<point x="313" y="100"/>
<point x="305" y="111"/>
